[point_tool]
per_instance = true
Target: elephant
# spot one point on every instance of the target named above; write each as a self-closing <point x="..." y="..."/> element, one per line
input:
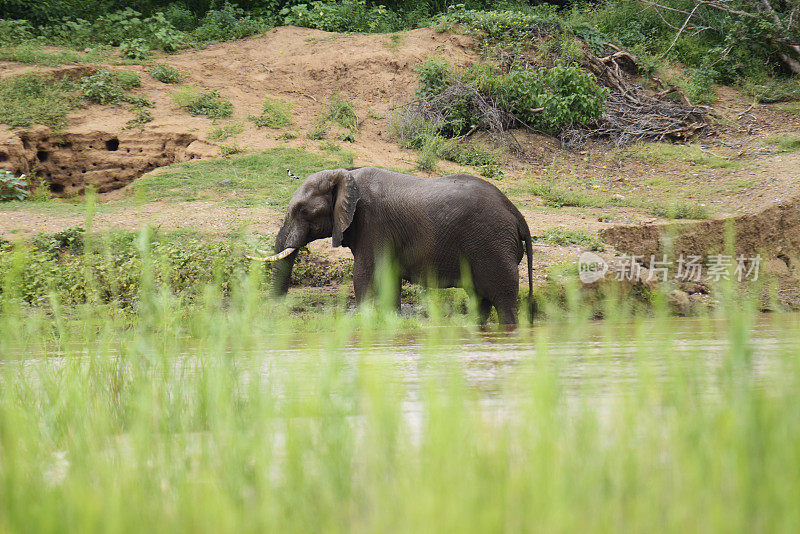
<point x="431" y="228"/>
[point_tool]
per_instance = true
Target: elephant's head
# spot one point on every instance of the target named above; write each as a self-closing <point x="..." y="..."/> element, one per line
<point x="322" y="206"/>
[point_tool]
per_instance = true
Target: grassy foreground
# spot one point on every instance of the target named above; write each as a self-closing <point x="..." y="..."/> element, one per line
<point x="214" y="417"/>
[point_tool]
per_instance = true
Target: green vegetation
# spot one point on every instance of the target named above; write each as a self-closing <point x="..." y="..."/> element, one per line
<point x="211" y="103"/>
<point x="556" y="196"/>
<point x="274" y="114"/>
<point x="12" y="187"/>
<point x="563" y="236"/>
<point x="680" y="210"/>
<point x="257" y="178"/>
<point x="224" y="132"/>
<point x="692" y="154"/>
<point x="202" y="411"/>
<point x="454" y="102"/>
<point x="165" y="73"/>
<point x="31" y="99"/>
<point x="319" y="131"/>
<point x="342" y="112"/>
<point x="786" y="142"/>
<point x="106" y="87"/>
<point x="793" y="108"/>
<point x="35" y="99"/>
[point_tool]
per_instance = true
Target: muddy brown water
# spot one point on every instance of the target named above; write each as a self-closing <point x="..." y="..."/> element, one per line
<point x="589" y="359"/>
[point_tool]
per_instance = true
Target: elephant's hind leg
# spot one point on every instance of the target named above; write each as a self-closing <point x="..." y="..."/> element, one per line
<point x="507" y="311"/>
<point x="484" y="310"/>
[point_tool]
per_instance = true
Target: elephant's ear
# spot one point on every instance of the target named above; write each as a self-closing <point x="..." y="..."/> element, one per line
<point x="345" y="198"/>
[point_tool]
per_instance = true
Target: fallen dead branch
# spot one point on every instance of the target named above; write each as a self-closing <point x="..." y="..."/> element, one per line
<point x="631" y="114"/>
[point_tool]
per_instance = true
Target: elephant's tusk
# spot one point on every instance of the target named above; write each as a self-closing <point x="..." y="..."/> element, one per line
<point x="274" y="257"/>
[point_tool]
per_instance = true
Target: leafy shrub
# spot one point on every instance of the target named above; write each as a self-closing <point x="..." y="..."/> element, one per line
<point x="546" y="99"/>
<point x="274" y="114"/>
<point x="699" y="85"/>
<point x="15" y="31"/>
<point x="434" y="74"/>
<point x="112" y="269"/>
<point x="341" y="111"/>
<point x="35" y="99"/>
<point x="12" y="187"/>
<point x="502" y="25"/>
<point x="212" y="105"/>
<point x="101" y="87"/>
<point x="127" y="79"/>
<point x="134" y="49"/>
<point x="228" y="22"/>
<point x="139" y="34"/>
<point x="165" y="73"/>
<point x="342" y="16"/>
<point x="180" y="16"/>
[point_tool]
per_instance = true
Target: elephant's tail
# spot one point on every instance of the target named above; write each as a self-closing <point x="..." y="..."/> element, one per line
<point x="525" y="235"/>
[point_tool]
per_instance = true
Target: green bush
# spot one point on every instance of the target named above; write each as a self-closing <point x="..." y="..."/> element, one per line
<point x="134" y="49"/>
<point x="127" y="79"/>
<point x="434" y="74"/>
<point x="126" y="26"/>
<point x="165" y="73"/>
<point x="212" y="105"/>
<point x="227" y="23"/>
<point x="274" y="114"/>
<point x="342" y="112"/>
<point x="111" y="270"/>
<point x="15" y="31"/>
<point x="545" y="99"/>
<point x="343" y="16"/>
<point x="101" y="87"/>
<point x="12" y="187"/>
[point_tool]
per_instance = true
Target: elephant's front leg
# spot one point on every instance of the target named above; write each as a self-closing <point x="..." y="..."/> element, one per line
<point x="363" y="271"/>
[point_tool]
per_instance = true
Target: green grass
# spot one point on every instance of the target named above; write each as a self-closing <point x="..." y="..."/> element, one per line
<point x="258" y="178"/>
<point x="680" y="210"/>
<point x="786" y="142"/>
<point x="792" y="107"/>
<point x="563" y="237"/>
<point x="224" y="132"/>
<point x="341" y="111"/>
<point x="34" y="55"/>
<point x="666" y="152"/>
<point x="165" y="73"/>
<point x="274" y="114"/>
<point x="555" y="196"/>
<point x="214" y="417"/>
<point x="185" y="96"/>
<point x="31" y="99"/>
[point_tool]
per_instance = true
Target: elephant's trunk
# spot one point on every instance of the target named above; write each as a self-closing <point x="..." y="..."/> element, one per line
<point x="282" y="267"/>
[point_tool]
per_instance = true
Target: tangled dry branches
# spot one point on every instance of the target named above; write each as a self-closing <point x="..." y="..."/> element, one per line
<point x="431" y="112"/>
<point x="630" y="113"/>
